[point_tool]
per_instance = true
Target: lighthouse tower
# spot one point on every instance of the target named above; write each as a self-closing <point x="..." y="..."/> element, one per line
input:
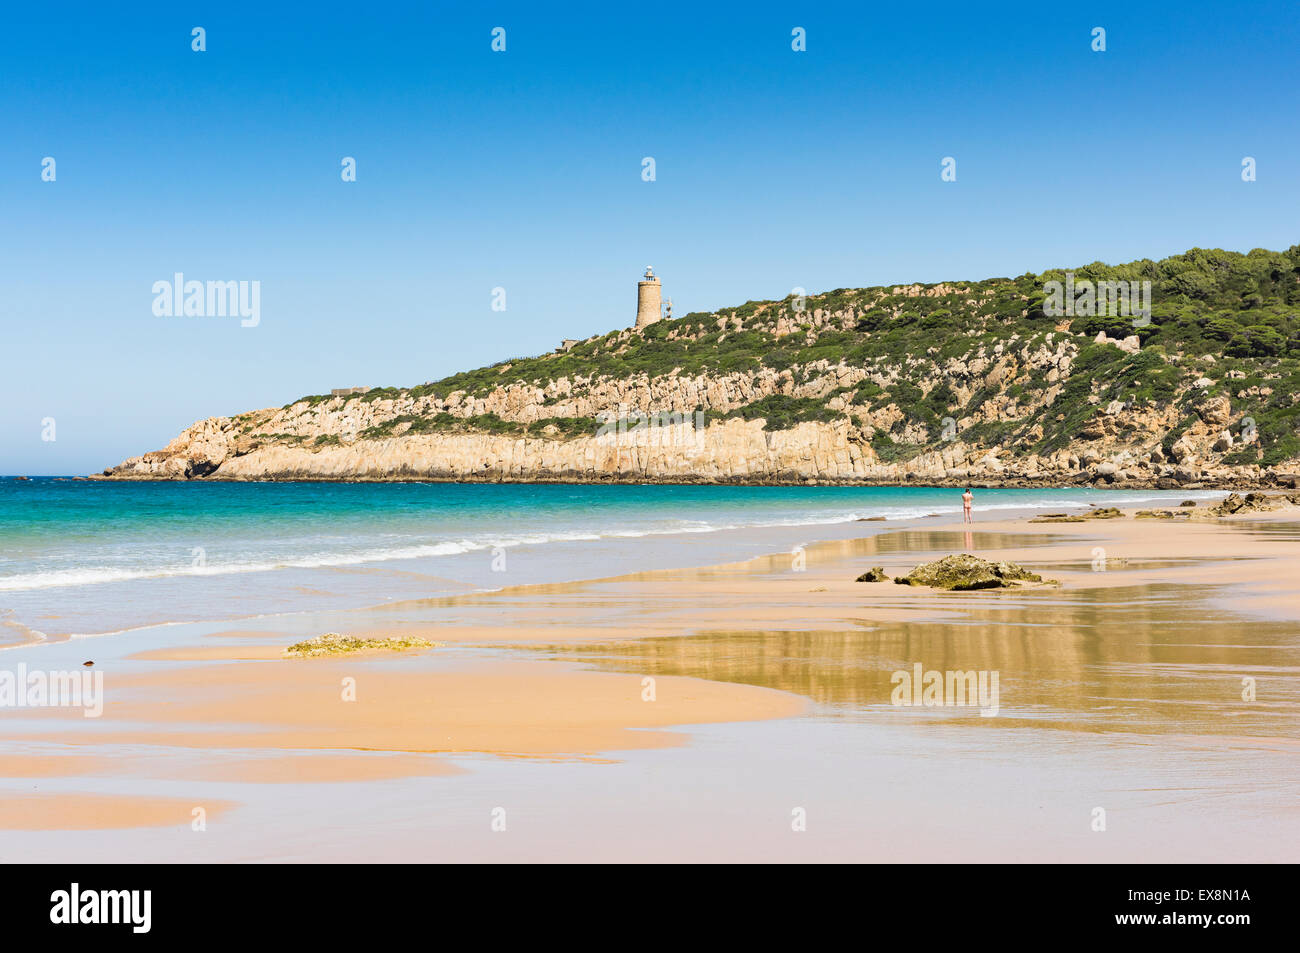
<point x="647" y="299"/>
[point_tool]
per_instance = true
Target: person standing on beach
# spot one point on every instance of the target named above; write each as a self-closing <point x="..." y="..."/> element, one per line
<point x="966" y="499"/>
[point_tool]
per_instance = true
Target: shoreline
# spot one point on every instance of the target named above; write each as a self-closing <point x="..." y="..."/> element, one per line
<point x="1014" y="519"/>
<point x="756" y="536"/>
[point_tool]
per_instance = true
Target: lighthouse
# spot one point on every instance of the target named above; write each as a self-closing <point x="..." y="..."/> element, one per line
<point x="647" y="299"/>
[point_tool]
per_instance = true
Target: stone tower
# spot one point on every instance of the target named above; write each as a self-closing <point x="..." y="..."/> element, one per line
<point x="647" y="299"/>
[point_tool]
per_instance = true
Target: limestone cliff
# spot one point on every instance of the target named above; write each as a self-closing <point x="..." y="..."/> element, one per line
<point x="947" y="383"/>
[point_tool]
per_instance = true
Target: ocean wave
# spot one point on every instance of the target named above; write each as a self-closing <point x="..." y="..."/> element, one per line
<point x="88" y="576"/>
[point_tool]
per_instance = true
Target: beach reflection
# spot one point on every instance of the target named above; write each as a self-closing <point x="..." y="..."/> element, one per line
<point x="1155" y="659"/>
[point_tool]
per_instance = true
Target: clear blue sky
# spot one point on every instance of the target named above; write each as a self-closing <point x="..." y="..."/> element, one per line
<point x="522" y="169"/>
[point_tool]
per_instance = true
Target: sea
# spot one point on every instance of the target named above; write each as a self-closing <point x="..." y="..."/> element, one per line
<point x="84" y="557"/>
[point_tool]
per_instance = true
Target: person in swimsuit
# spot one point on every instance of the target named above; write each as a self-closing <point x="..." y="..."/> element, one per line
<point x="966" y="500"/>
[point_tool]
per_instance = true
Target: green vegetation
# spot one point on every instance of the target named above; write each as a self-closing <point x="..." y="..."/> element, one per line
<point x="781" y="412"/>
<point x="890" y="452"/>
<point x="560" y="427"/>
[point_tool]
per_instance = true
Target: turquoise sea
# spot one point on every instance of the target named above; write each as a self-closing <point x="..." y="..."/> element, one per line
<point x="82" y="557"/>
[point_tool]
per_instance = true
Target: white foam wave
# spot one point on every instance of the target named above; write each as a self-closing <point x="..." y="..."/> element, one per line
<point x="100" y="575"/>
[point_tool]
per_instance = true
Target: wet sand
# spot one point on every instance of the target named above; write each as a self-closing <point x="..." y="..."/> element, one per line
<point x="1133" y="665"/>
<point x="369" y="704"/>
<point x="84" y="812"/>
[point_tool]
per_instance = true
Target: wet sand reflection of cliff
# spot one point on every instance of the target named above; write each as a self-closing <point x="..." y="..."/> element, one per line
<point x="1144" y="659"/>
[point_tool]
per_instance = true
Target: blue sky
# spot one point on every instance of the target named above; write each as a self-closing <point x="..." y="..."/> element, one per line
<point x="522" y="170"/>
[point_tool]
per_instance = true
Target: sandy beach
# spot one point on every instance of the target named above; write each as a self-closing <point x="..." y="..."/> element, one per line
<point x="693" y="713"/>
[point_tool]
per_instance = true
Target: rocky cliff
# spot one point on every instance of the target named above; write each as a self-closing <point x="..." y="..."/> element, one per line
<point x="951" y="383"/>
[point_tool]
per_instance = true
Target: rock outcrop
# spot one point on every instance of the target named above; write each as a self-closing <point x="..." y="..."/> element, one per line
<point x="965" y="572"/>
<point x="332" y="643"/>
<point x="328" y="441"/>
<point x="1250" y="503"/>
<point x="1100" y="513"/>
<point x="946" y="384"/>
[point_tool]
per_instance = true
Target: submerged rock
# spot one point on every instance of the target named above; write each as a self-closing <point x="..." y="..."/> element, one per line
<point x="1101" y="513"/>
<point x="332" y="643"/>
<point x="965" y="572"/>
<point x="874" y="574"/>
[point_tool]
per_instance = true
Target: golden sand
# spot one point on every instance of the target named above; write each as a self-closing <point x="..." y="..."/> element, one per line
<point x="538" y="708"/>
